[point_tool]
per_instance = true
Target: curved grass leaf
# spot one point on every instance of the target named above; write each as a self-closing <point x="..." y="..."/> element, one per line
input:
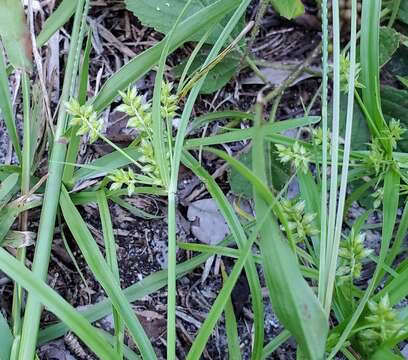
<point x="6" y="339"/>
<point x="293" y="300"/>
<point x="243" y="134"/>
<point x="241" y="239"/>
<point x="231" y="327"/>
<point x="162" y="14"/>
<point x="142" y="63"/>
<point x="15" y="35"/>
<point x="56" y="304"/>
<point x="103" y="274"/>
<point x="6" y="107"/>
<point x="56" y="20"/>
<point x="105" y="164"/>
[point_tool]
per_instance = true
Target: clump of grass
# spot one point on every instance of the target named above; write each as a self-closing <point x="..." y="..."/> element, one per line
<point x="310" y="255"/>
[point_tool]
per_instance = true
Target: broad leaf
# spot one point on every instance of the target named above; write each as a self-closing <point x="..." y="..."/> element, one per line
<point x="162" y="14"/>
<point x="217" y="77"/>
<point x="293" y="301"/>
<point x="6" y="339"/>
<point x="241" y="186"/>
<point x="288" y="8"/>
<point x="142" y="63"/>
<point x="389" y="43"/>
<point x="395" y="105"/>
<point x="14" y="34"/>
<point x="403" y="11"/>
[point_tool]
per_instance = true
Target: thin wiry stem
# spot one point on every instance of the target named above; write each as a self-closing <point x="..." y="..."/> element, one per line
<point x="25" y="188"/>
<point x="346" y="157"/>
<point x="334" y="141"/>
<point x="323" y="223"/>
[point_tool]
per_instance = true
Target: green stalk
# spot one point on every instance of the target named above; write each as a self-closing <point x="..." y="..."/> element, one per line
<point x="334" y="141"/>
<point x="25" y="188"/>
<point x="112" y="261"/>
<point x="346" y="156"/>
<point x="178" y="147"/>
<point x="323" y="220"/>
<point x="51" y="197"/>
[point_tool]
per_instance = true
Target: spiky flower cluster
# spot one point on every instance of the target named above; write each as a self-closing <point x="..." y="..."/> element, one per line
<point x="378" y="196"/>
<point x="138" y="110"/>
<point x="377" y="157"/>
<point x="383" y="324"/>
<point x="317" y="136"/>
<point x="296" y="154"/>
<point x="352" y="254"/>
<point x="168" y="101"/>
<point x="300" y="223"/>
<point x="344" y="73"/>
<point x="86" y="118"/>
<point x="121" y="178"/>
<point x="394" y="132"/>
<point x="140" y="118"/>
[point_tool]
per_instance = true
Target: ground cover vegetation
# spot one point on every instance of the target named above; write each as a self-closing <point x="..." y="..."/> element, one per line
<point x="313" y="203"/>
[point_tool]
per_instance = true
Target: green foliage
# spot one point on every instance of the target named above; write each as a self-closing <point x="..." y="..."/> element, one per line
<point x="85" y="118"/>
<point x="288" y="8"/>
<point x="15" y="35"/>
<point x="389" y="43"/>
<point x="352" y="254"/>
<point x="218" y="77"/>
<point x="300" y="223"/>
<point x="162" y="14"/>
<point x="241" y="186"/>
<point x="382" y="324"/>
<point x="295" y="154"/>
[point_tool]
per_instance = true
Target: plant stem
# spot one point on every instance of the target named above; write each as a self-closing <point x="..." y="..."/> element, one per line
<point x="51" y="197"/>
<point x="25" y="188"/>
<point x="323" y="220"/>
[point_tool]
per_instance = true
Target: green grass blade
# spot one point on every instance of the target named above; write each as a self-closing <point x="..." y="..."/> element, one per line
<point x="103" y="274"/>
<point x="231" y="327"/>
<point x="176" y="158"/>
<point x="390" y="208"/>
<point x="370" y="73"/>
<point x="244" y="134"/>
<point x="241" y="239"/>
<point x="6" y="339"/>
<point x="75" y="140"/>
<point x="293" y="301"/>
<point x="159" y="145"/>
<point x="50" y="203"/>
<point x="15" y="35"/>
<point x="399" y="237"/>
<point x="133" y="210"/>
<point x="332" y="259"/>
<point x="105" y="164"/>
<point x="56" y="20"/>
<point x="216" y="310"/>
<point x="112" y="261"/>
<point x="275" y="343"/>
<point x="323" y="206"/>
<point x="56" y="304"/>
<point x="141" y="64"/>
<point x="9" y="186"/>
<point x="6" y="107"/>
<point x="218" y="115"/>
